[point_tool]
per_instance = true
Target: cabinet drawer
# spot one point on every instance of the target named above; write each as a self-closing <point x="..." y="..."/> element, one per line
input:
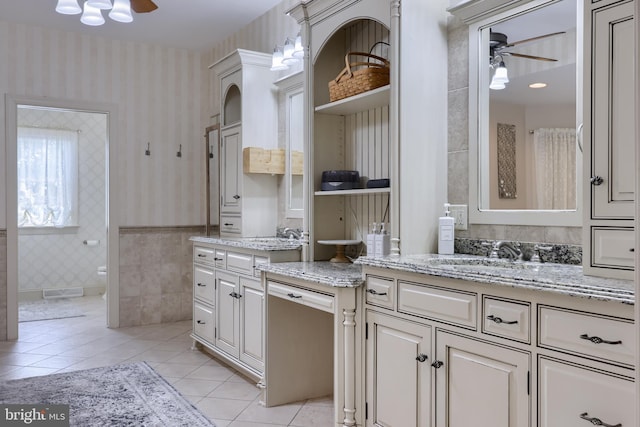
<point x="237" y="261"/>
<point x="202" y="254"/>
<point x="302" y="296"/>
<point x="204" y="283"/>
<point x="380" y="291"/>
<point x="593" y="395"/>
<point x="581" y="333"/>
<point x="258" y="260"/>
<point x="203" y="321"/>
<point x="230" y="224"/>
<point x="507" y="319"/>
<point x="220" y="258"/>
<point x="612" y="247"/>
<point x="439" y="304"/>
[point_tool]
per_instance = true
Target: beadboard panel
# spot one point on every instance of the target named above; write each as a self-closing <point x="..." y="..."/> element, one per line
<point x="160" y="93"/>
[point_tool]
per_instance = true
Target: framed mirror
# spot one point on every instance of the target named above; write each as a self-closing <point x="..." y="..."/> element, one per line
<point x="212" y="188"/>
<point x="525" y="116"/>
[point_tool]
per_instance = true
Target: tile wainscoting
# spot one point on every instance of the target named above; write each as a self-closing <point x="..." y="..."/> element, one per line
<point x="156" y="274"/>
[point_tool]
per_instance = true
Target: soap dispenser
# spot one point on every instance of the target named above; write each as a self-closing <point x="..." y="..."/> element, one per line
<point x="446" y="225"/>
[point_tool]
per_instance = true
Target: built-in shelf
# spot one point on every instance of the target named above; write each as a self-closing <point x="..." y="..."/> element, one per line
<point x="357" y="191"/>
<point x="362" y="102"/>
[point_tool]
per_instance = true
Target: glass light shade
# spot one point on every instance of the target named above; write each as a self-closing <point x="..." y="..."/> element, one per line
<point x="100" y="4"/>
<point x="298" y="50"/>
<point x="501" y="74"/>
<point x="276" y="60"/>
<point x="68" y="7"/>
<point x="289" y="47"/>
<point x="496" y="85"/>
<point x="91" y="15"/>
<point x="121" y="11"/>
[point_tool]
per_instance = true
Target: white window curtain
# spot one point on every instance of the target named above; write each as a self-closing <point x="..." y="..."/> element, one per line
<point x="554" y="151"/>
<point x="47" y="177"/>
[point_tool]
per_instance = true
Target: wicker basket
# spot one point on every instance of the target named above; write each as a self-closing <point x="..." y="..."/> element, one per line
<point x="358" y="77"/>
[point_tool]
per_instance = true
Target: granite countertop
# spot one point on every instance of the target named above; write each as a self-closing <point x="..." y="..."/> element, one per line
<point x="339" y="275"/>
<point x="559" y="278"/>
<point x="254" y="243"/>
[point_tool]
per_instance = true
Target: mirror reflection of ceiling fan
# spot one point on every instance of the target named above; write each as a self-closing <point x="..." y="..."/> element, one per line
<point x="498" y="45"/>
<point x="143" y="6"/>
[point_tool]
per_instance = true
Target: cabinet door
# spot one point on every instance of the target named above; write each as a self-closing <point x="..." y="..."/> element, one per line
<point x="480" y="384"/>
<point x="572" y="395"/>
<point x="613" y="113"/>
<point x="251" y="323"/>
<point x="230" y="170"/>
<point x="227" y="327"/>
<point x="398" y="372"/>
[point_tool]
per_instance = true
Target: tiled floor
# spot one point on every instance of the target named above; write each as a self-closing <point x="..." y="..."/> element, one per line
<point x="226" y="397"/>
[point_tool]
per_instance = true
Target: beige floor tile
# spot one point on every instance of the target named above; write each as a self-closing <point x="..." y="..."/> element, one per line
<point x="236" y="390"/>
<point x="313" y="416"/>
<point x="320" y="401"/>
<point x="57" y="362"/>
<point x="216" y="373"/>
<point x="223" y="409"/>
<point x="27" y="371"/>
<point x="173" y="369"/>
<point x="282" y="414"/>
<point x="193" y="387"/>
<point x="250" y="424"/>
<point x="21" y="359"/>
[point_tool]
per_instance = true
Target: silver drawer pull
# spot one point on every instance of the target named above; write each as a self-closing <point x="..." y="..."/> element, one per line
<point x="290" y="295"/>
<point x="200" y="322"/>
<point x="374" y="292"/>
<point x="228" y="224"/>
<point x="202" y="255"/>
<point x="218" y="259"/>
<point x="437" y="364"/>
<point x="499" y="320"/>
<point x="235" y="295"/>
<point x="596" y="180"/>
<point x="598" y="340"/>
<point x="421" y="357"/>
<point x="201" y="285"/>
<point x="236" y="196"/>
<point x="597" y="421"/>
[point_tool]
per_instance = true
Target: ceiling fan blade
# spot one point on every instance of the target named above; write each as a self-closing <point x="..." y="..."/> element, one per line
<point x="534" y="38"/>
<point x="143" y="6"/>
<point x="521" y="55"/>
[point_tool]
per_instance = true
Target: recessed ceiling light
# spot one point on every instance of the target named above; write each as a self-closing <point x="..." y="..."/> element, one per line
<point x="537" y="85"/>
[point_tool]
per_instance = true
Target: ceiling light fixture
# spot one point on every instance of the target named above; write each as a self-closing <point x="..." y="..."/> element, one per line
<point x="92" y="14"/>
<point x="290" y="53"/>
<point x="537" y="85"/>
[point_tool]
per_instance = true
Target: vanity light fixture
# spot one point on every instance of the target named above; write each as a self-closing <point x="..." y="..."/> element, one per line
<point x="500" y="77"/>
<point x="92" y="13"/>
<point x="290" y="53"/>
<point x="537" y="85"/>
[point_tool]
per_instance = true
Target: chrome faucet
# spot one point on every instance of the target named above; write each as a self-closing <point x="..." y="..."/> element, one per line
<point x="292" y="233"/>
<point x="511" y="250"/>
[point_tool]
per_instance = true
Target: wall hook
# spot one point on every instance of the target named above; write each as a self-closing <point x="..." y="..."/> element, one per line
<point x="179" y="153"/>
<point x="147" y="152"/>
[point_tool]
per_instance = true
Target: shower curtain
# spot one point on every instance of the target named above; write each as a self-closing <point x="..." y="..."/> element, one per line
<point x="554" y="151"/>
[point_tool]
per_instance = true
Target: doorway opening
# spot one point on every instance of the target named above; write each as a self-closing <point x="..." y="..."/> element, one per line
<point x="61" y="236"/>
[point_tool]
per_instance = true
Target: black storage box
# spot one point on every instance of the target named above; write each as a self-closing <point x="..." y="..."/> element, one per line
<point x="340" y="180"/>
<point x="378" y="183"/>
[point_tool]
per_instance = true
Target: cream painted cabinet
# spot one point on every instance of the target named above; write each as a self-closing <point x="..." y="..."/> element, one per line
<point x="609" y="141"/>
<point x="398" y="372"/>
<point x="576" y="395"/>
<point x="248" y="116"/>
<point x="480" y="384"/>
<point x="229" y="302"/>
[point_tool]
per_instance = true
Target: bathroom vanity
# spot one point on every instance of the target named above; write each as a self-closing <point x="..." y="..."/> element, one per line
<point x="453" y="341"/>
<point x="228" y="297"/>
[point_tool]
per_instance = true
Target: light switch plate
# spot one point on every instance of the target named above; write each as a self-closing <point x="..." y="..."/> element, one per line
<point x="459" y="214"/>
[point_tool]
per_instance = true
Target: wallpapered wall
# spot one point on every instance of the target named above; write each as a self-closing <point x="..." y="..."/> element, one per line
<point x="160" y="93"/>
<point x="58" y="258"/>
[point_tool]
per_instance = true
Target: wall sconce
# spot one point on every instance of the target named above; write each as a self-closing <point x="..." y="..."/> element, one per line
<point x="290" y="53"/>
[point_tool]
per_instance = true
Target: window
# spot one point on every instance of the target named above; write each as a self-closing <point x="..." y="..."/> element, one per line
<point x="47" y="177"/>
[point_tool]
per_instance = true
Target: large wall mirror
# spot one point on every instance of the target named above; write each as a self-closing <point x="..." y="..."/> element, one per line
<point x="212" y="187"/>
<point x="525" y="91"/>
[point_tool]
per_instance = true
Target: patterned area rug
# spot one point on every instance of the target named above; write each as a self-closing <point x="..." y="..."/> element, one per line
<point x="47" y="309"/>
<point x="121" y="395"/>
